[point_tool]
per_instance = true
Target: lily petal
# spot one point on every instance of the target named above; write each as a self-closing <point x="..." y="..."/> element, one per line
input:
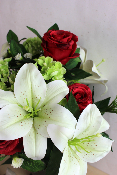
<point x="90" y="67"/>
<point x="56" y="91"/>
<point x="90" y="122"/>
<point x="59" y="135"/>
<point x="12" y="122"/>
<point x="83" y="164"/>
<point x="29" y="84"/>
<point x="6" y="98"/>
<point x="49" y="115"/>
<point x="83" y="55"/>
<point x="72" y="164"/>
<point x="34" y="145"/>
<point x="95" y="150"/>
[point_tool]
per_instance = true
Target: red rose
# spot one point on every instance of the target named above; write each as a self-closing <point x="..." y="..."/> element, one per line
<point x="10" y="147"/>
<point x="82" y="94"/>
<point x="60" y="45"/>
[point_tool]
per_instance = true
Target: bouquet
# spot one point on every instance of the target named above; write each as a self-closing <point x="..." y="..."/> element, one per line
<point x="48" y="118"/>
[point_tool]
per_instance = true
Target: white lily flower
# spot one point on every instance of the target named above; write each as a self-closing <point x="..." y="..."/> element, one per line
<point x="28" y="111"/>
<point x="90" y="67"/>
<point x="4" y="49"/>
<point x="86" y="143"/>
<point x="83" y="56"/>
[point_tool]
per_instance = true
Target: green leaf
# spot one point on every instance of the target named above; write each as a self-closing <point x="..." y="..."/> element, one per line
<point x="11" y="36"/>
<point x="15" y="48"/>
<point x="55" y="27"/>
<point x="77" y="50"/>
<point x="76" y="74"/>
<point x="8" y="161"/>
<point x="63" y="102"/>
<point x="23" y="49"/>
<point x="72" y="106"/>
<point x="32" y="165"/>
<point x="107" y="136"/>
<point x="1" y="158"/>
<point x="35" y="32"/>
<point x="54" y="163"/>
<point x="48" y="151"/>
<point x="22" y="39"/>
<point x="72" y="63"/>
<point x="102" y="105"/>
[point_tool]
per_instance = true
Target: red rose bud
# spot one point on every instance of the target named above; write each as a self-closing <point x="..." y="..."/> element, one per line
<point x="10" y="147"/>
<point x="60" y="45"/>
<point x="82" y="94"/>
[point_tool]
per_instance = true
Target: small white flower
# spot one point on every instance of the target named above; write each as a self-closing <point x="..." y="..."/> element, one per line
<point x="84" y="144"/>
<point x="28" y="111"/>
<point x="17" y="162"/>
<point x="28" y="55"/>
<point x="18" y="56"/>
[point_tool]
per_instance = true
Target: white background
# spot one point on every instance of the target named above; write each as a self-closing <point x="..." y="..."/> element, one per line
<point x="95" y="24"/>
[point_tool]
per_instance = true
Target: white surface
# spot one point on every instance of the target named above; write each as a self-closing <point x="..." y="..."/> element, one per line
<point x="95" y="23"/>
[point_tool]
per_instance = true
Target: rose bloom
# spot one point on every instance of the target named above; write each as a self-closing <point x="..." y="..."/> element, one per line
<point x="82" y="94"/>
<point x="60" y="45"/>
<point x="10" y="147"/>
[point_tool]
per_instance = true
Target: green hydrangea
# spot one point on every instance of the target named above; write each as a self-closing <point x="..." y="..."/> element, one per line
<point x="4" y="72"/>
<point x="12" y="79"/>
<point x="51" y="70"/>
<point x="33" y="45"/>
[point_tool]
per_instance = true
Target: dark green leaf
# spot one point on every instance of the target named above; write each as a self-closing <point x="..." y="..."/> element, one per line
<point x="107" y="136"/>
<point x="72" y="63"/>
<point x="77" y="50"/>
<point x="35" y="32"/>
<point x="48" y="151"/>
<point x="1" y="158"/>
<point x="8" y="161"/>
<point x="23" y="48"/>
<point x="63" y="102"/>
<point x="102" y="105"/>
<point x="54" y="163"/>
<point x="55" y="27"/>
<point x="76" y="74"/>
<point x="15" y="48"/>
<point x="72" y="106"/>
<point x="11" y="36"/>
<point x="22" y="39"/>
<point x="32" y="165"/>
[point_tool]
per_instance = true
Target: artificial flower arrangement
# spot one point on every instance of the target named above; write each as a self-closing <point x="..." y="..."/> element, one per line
<point x="48" y="118"/>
